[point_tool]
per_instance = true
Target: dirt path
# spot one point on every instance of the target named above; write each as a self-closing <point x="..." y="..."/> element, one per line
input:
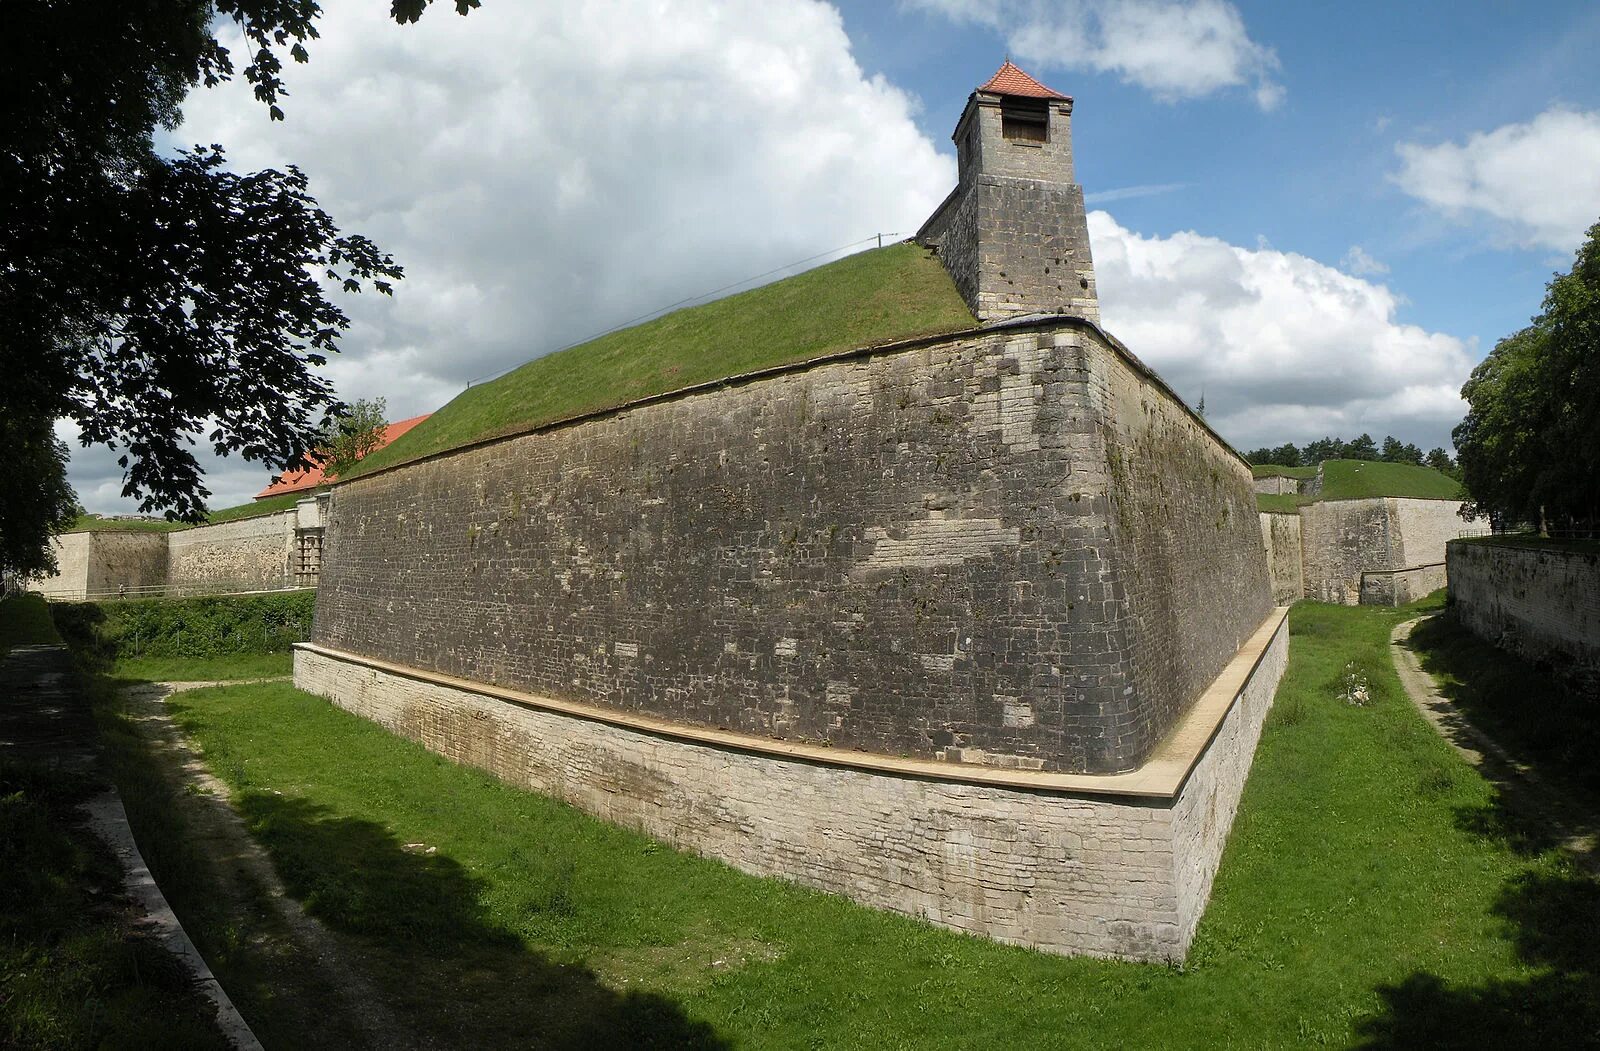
<point x="1522" y="791"/>
<point x="248" y="876"/>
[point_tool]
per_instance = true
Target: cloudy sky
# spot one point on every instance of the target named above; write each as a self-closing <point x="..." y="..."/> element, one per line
<point x="1318" y="219"/>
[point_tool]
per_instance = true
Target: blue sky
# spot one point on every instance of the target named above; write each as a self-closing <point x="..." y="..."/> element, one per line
<point x="1317" y="216"/>
<point x="1313" y="174"/>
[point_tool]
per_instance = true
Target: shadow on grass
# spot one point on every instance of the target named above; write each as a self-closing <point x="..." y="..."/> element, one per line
<point x="1553" y="919"/>
<point x="1521" y="725"/>
<point x="454" y="973"/>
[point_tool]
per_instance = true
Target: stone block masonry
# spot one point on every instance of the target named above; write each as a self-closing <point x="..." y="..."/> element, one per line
<point x="1116" y="866"/>
<point x="1345" y="541"/>
<point x="1280" y="532"/>
<point x="1006" y="548"/>
<point x="1542" y="603"/>
<point x="253" y="552"/>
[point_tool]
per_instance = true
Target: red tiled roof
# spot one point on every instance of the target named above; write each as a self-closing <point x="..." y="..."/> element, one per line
<point x="312" y="477"/>
<point x="1009" y="80"/>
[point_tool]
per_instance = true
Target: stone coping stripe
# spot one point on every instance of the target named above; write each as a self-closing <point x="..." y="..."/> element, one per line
<point x="1162" y="777"/>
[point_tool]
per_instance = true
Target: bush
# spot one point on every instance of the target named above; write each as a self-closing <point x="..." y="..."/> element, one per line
<point x="191" y="627"/>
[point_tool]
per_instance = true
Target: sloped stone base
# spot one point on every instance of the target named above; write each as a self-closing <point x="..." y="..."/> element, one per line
<point x="1103" y="865"/>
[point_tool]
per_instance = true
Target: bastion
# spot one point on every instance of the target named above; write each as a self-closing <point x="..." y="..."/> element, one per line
<point x="974" y="626"/>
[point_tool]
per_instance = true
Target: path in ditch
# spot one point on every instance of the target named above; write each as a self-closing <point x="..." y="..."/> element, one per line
<point x="1537" y="807"/>
<point x="315" y="956"/>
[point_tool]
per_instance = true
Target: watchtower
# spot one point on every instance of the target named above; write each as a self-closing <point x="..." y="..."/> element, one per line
<point x="1013" y="233"/>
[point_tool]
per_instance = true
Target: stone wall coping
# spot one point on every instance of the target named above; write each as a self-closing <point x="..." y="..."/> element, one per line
<point x="1030" y="321"/>
<point x="1161" y="778"/>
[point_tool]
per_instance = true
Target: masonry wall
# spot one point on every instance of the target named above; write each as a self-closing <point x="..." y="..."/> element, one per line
<point x="97" y="563"/>
<point x="1277" y="484"/>
<point x="924" y="552"/>
<point x="249" y="552"/>
<point x="1123" y="877"/>
<point x="1343" y="539"/>
<point x="1542" y="603"/>
<point x="1280" y="535"/>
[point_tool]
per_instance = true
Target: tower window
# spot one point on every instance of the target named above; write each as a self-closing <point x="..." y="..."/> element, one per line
<point x="1025" y="120"/>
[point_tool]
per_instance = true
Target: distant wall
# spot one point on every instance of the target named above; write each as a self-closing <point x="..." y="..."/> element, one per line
<point x="1011" y="549"/>
<point x="1276" y="485"/>
<point x="1280" y="534"/>
<point x="1542" y="603"/>
<point x="102" y="562"/>
<point x="1345" y="539"/>
<point x="1399" y="586"/>
<point x="247" y="552"/>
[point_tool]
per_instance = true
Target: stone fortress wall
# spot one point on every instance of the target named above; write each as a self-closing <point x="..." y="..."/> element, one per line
<point x="888" y="624"/>
<point x="930" y="552"/>
<point x="1540" y="602"/>
<point x="974" y="627"/>
<point x="1387" y="547"/>
<point x="264" y="553"/>
<point x="1280" y="534"/>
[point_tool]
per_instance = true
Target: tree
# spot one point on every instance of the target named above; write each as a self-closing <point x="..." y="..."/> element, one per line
<point x="1287" y="454"/>
<point x="1363" y="448"/>
<point x="35" y="500"/>
<point x="159" y="300"/>
<point x="1392" y="451"/>
<point x="1329" y="448"/>
<point x="357" y="432"/>
<point x="1440" y="461"/>
<point x="1529" y="447"/>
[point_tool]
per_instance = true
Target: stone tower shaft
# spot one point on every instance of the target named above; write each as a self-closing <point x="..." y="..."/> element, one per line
<point x="1013" y="233"/>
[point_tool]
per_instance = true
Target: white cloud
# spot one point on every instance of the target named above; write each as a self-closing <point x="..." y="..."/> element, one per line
<point x="1537" y="183"/>
<point x="1176" y="49"/>
<point x="544" y="171"/>
<point x="1285" y="348"/>
<point x="1357" y="261"/>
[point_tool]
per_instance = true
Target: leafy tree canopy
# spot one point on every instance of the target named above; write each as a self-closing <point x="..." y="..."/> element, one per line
<point x="161" y="300"/>
<point x="1530" y="444"/>
<point x="355" y="433"/>
<point x="34" y="495"/>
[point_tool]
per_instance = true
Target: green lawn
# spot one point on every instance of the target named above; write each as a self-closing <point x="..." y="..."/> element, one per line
<point x="879" y="296"/>
<point x="204" y="669"/>
<point x="25" y="621"/>
<point x="253" y="509"/>
<point x="1359" y="900"/>
<point x="1357" y="479"/>
<point x="1283" y="502"/>
<point x="92" y="524"/>
<point x="1277" y="470"/>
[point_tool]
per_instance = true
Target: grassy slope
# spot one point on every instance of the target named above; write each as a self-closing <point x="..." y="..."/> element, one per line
<point x="1355" y="900"/>
<point x="1356" y="479"/>
<point x="254" y="509"/>
<point x="1280" y="502"/>
<point x="873" y="297"/>
<point x="1276" y="470"/>
<point x="1532" y="540"/>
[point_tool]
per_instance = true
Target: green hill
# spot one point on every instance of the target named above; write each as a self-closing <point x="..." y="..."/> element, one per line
<point x="881" y="296"/>
<point x="1356" y="479"/>
<point x="1359" y="480"/>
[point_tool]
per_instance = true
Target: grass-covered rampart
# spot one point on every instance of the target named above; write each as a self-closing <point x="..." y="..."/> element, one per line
<point x="888" y="294"/>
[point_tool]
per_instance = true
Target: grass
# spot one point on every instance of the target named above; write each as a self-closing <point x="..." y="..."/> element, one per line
<point x="254" y="509"/>
<point x="1530" y="714"/>
<point x="25" y="621"/>
<point x="1275" y="470"/>
<point x="93" y="524"/>
<point x="1287" y="503"/>
<point x="73" y="974"/>
<point x="1359" y="900"/>
<point x="203" y="669"/>
<point x="879" y="296"/>
<point x="1358" y="479"/>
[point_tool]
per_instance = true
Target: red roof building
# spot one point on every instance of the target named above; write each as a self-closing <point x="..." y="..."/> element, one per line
<point x="1009" y="80"/>
<point x="314" y="477"/>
